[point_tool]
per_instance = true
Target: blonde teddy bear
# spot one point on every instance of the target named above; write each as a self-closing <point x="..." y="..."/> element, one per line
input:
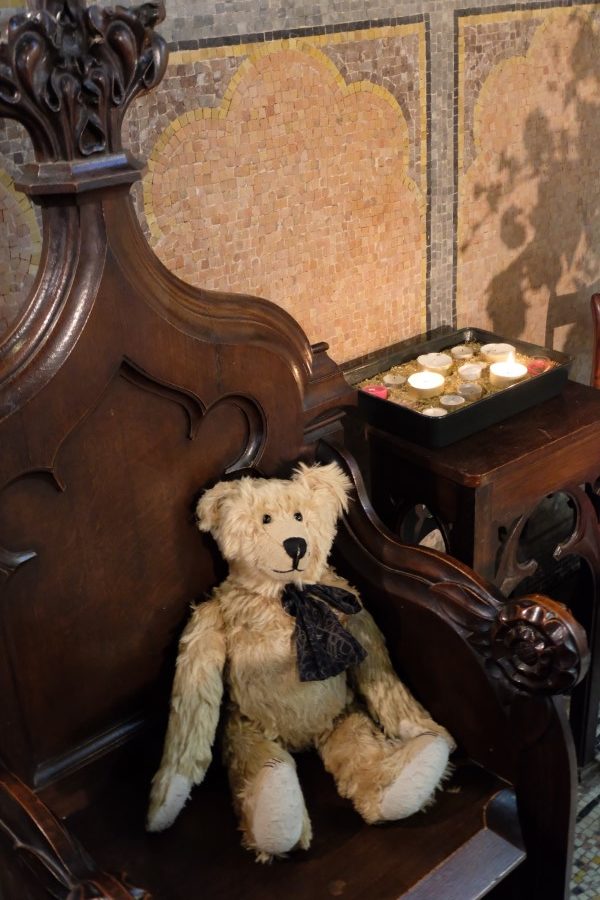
<point x="304" y="666"/>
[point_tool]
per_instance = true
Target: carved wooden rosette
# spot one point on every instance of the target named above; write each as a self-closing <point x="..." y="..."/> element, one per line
<point x="68" y="74"/>
<point x="533" y="642"/>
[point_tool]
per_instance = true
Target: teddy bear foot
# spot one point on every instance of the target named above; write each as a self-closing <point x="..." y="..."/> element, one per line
<point x="277" y="815"/>
<point x="426" y="763"/>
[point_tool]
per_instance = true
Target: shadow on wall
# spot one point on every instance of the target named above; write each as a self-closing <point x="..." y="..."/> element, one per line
<point x="555" y="238"/>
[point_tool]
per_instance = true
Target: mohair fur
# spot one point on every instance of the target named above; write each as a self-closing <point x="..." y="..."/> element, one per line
<point x="364" y="723"/>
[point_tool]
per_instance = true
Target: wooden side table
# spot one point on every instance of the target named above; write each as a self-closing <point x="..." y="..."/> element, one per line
<point x="483" y="490"/>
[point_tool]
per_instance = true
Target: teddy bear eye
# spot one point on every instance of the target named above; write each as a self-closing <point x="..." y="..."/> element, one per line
<point x="266" y="519"/>
<point x="298" y="516"/>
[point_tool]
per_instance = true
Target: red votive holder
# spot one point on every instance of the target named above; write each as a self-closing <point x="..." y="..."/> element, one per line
<point x="538" y="365"/>
<point x="376" y="390"/>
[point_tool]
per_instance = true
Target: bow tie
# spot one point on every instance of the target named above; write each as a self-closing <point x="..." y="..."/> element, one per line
<point x="324" y="648"/>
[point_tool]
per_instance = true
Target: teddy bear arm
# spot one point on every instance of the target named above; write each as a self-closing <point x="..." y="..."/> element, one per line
<point x="388" y="700"/>
<point x="195" y="706"/>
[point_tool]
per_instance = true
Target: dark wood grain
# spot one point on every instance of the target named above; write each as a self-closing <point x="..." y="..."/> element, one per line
<point x="123" y="393"/>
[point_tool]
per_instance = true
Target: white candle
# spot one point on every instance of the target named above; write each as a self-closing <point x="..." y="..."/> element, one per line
<point x="503" y="374"/>
<point x="470" y="371"/>
<point x="452" y="401"/>
<point x="393" y="380"/>
<point x="470" y="391"/>
<point x="435" y="412"/>
<point x="461" y="352"/>
<point x="435" y="362"/>
<point x="498" y="352"/>
<point x="426" y="384"/>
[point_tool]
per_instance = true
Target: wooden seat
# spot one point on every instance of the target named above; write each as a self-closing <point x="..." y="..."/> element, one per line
<point x="124" y="392"/>
<point x="469" y="822"/>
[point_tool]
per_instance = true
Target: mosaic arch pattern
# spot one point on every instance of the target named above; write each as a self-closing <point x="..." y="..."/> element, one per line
<point x="302" y="186"/>
<point x="528" y="193"/>
<point x="20" y="249"/>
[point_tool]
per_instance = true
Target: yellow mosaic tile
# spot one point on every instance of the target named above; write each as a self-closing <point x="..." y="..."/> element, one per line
<point x="296" y="188"/>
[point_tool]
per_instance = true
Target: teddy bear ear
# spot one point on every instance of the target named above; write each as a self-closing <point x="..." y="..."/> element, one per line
<point x="328" y="479"/>
<point x="210" y="505"/>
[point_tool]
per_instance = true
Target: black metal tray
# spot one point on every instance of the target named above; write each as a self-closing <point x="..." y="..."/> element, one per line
<point x="439" y="432"/>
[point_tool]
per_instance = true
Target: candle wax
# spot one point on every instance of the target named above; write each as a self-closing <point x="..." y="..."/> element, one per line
<point x="435" y="362"/>
<point x="452" y="401"/>
<point x="376" y="390"/>
<point x="498" y="352"/>
<point x="461" y="352"/>
<point x="538" y="365"/>
<point x="503" y="374"/>
<point x="426" y="384"/>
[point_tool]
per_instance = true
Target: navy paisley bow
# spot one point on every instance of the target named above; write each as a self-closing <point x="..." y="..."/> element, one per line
<point x="324" y="647"/>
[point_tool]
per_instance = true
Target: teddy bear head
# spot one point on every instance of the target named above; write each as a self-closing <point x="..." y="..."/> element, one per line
<point x="277" y="530"/>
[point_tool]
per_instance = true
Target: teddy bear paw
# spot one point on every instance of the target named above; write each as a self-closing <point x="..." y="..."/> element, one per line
<point x="169" y="796"/>
<point x="426" y="762"/>
<point x="277" y="814"/>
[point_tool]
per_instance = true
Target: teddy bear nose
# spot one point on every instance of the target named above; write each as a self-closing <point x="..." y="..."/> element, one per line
<point x="295" y="547"/>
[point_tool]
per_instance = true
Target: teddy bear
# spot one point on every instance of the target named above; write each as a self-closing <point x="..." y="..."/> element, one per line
<point x="304" y="666"/>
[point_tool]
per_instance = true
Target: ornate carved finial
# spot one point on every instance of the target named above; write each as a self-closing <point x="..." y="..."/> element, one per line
<point x="68" y="74"/>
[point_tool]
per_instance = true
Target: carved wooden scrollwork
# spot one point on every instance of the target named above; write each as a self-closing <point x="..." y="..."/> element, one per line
<point x="68" y="74"/>
<point x="534" y="642"/>
<point x="196" y="412"/>
<point x="10" y="562"/>
<point x="47" y="848"/>
<point x="511" y="571"/>
<point x="582" y="541"/>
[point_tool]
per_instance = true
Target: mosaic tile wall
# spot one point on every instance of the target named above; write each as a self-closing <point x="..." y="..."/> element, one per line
<point x="371" y="174"/>
<point x="528" y="192"/>
<point x="309" y="182"/>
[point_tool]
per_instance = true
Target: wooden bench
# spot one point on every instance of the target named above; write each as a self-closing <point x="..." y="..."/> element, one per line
<point x="123" y="392"/>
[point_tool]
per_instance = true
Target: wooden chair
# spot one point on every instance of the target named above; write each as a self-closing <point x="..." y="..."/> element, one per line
<point x="595" y="304"/>
<point x="123" y="392"/>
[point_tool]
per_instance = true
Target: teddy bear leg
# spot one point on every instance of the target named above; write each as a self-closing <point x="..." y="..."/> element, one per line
<point x="267" y="794"/>
<point x="385" y="779"/>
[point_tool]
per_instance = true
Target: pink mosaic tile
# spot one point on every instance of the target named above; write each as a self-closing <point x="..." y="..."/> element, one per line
<point x="296" y="188"/>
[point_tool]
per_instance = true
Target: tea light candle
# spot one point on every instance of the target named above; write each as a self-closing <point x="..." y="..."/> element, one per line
<point x="376" y="390"/>
<point x="426" y="384"/>
<point x="470" y="371"/>
<point x="434" y="412"/>
<point x="537" y="365"/>
<point x="503" y="374"/>
<point x="470" y="391"/>
<point x="435" y="362"/>
<point x="498" y="352"/>
<point x="452" y="401"/>
<point x="394" y="380"/>
<point x="461" y="352"/>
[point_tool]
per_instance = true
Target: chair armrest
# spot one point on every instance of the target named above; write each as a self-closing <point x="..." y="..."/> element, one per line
<point x="467" y="652"/>
<point x="55" y="860"/>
